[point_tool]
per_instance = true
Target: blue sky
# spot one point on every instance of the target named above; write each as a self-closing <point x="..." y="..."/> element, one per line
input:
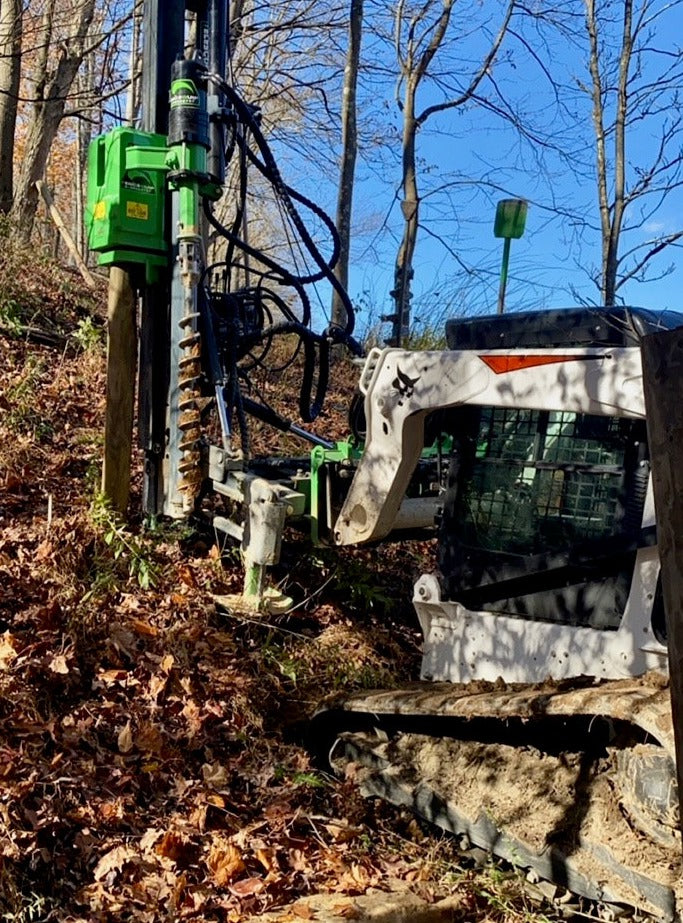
<point x="471" y="158"/>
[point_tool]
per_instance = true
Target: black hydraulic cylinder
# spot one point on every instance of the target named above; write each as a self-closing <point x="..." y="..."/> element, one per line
<point x="272" y="418"/>
<point x="189" y="120"/>
<point x="212" y="50"/>
<point x="218" y="36"/>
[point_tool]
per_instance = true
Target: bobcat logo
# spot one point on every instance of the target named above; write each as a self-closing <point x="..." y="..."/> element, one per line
<point x="404" y="385"/>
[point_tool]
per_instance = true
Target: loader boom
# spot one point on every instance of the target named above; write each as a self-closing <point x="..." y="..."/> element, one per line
<point x="401" y="387"/>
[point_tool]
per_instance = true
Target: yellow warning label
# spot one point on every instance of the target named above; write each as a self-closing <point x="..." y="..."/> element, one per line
<point x="100" y="210"/>
<point x="137" y="210"/>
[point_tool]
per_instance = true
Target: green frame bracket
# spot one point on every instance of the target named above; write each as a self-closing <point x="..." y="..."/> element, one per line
<point x="344" y="451"/>
<point x="349" y="451"/>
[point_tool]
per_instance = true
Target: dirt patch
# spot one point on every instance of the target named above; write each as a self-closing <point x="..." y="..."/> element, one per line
<point x="401" y="907"/>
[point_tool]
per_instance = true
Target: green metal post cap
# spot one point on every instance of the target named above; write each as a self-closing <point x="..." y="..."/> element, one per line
<point x="510" y="218"/>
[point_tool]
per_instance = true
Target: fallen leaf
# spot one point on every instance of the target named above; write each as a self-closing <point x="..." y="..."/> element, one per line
<point x="198" y="815"/>
<point x="149" y="837"/>
<point x="148" y="739"/>
<point x="341" y="831"/>
<point x="187" y="576"/>
<point x="177" y="848"/>
<point x="144" y="628"/>
<point x="43" y="550"/>
<point x="157" y="684"/>
<point x="110" y="677"/>
<point x="129" y="603"/>
<point x="354" y="880"/>
<point x="267" y="857"/>
<point x="225" y="862"/>
<point x="58" y="664"/>
<point x="303" y="911"/>
<point x="7" y="652"/>
<point x="125" y="739"/>
<point x="298" y="860"/>
<point x="247" y="887"/>
<point x="349" y="910"/>
<point x="112" y="810"/>
<point x="167" y="663"/>
<point x="214" y="775"/>
<point x="114" y="860"/>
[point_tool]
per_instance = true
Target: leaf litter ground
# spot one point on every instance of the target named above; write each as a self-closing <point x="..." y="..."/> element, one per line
<point x="149" y="763"/>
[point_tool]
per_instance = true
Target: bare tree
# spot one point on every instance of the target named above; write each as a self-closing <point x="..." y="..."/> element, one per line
<point x="636" y="72"/>
<point x="288" y="60"/>
<point x="349" y="153"/>
<point x="57" y="66"/>
<point x="420" y="30"/>
<point x="10" y="74"/>
<point x="134" y="67"/>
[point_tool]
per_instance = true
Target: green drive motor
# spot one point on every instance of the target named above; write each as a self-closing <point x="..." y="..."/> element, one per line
<point x="126" y="195"/>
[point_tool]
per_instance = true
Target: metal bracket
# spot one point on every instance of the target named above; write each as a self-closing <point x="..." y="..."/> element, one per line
<point x="267" y="505"/>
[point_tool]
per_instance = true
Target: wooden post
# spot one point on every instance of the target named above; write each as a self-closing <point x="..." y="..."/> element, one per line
<point x="663" y="387"/>
<point x="121" y="368"/>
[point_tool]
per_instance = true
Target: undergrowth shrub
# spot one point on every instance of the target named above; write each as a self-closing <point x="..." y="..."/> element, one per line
<point x="36" y="290"/>
<point x="123" y="553"/>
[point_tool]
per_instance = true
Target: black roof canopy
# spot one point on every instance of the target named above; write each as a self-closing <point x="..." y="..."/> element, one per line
<point x="563" y="327"/>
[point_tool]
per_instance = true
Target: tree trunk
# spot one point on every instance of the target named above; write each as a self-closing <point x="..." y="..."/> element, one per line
<point x="611" y="211"/>
<point x="66" y="235"/>
<point x="422" y="42"/>
<point x="10" y="72"/>
<point x="403" y="270"/>
<point x="348" y="163"/>
<point x="235" y="24"/>
<point x="53" y="86"/>
<point x="611" y="266"/>
<point x="86" y="81"/>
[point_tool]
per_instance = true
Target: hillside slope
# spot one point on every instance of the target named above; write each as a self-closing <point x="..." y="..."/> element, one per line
<point x="149" y="768"/>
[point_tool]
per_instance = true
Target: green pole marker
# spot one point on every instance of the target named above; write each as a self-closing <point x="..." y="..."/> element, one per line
<point x="510" y="222"/>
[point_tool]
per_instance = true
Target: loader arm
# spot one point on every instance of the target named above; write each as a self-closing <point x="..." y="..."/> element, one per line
<point x="402" y="387"/>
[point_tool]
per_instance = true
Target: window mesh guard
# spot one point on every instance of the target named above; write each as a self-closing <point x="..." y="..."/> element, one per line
<point x="543" y="481"/>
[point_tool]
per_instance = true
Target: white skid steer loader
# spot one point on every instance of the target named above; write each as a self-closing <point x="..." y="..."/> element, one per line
<point x="545" y="736"/>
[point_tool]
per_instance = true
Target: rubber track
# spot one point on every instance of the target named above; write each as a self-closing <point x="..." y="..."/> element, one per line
<point x="644" y="703"/>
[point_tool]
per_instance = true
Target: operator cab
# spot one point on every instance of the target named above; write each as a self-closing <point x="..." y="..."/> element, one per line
<point x="543" y="515"/>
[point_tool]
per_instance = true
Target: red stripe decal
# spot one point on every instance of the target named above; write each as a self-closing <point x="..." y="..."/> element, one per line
<point x="501" y="364"/>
